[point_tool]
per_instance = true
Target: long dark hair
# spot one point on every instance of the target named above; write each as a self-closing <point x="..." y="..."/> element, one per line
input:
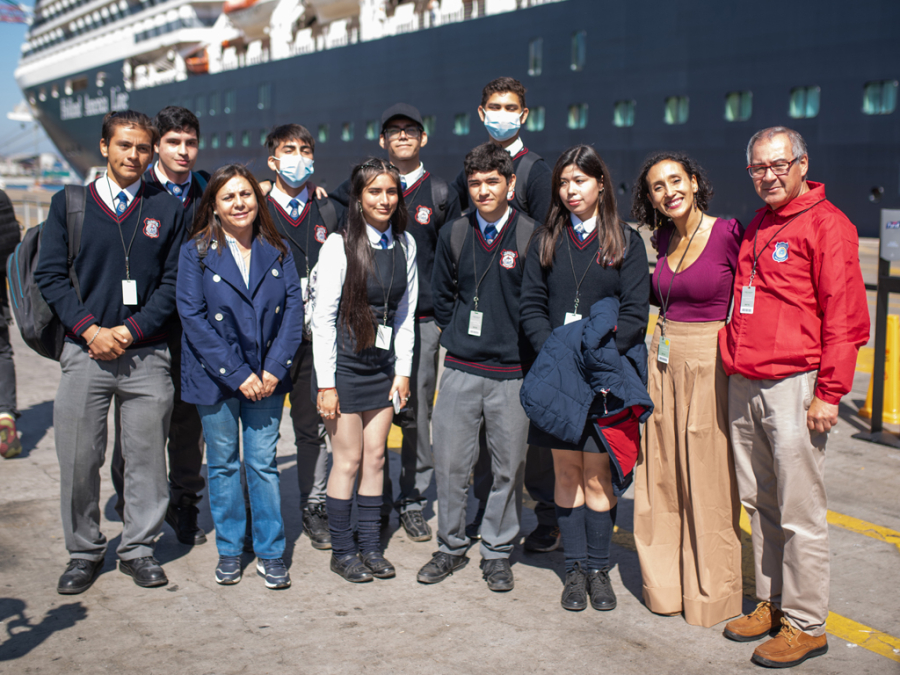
<point x="642" y="209"/>
<point x="355" y="311"/>
<point x="610" y="237"/>
<point x="206" y="225"/>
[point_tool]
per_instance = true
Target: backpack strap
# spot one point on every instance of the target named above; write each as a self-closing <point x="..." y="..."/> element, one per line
<point x="440" y="191"/>
<point x="201" y="181"/>
<point x="329" y="215"/>
<point x="528" y="160"/>
<point x="524" y="229"/>
<point x="458" y="230"/>
<point x="75" y="199"/>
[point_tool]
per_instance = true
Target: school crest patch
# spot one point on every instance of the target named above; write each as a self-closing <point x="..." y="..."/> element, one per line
<point x="151" y="228"/>
<point x="508" y="259"/>
<point x="321" y="234"/>
<point x="781" y="251"/>
<point x="423" y="215"/>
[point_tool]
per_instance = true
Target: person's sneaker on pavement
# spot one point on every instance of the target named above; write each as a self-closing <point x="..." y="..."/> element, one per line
<point x="315" y="526"/>
<point x="417" y="529"/>
<point x="228" y="571"/>
<point x="10" y="444"/>
<point x="274" y="572"/>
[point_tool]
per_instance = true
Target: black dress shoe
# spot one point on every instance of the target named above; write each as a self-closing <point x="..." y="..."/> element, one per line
<point x="315" y="526"/>
<point x="351" y="568"/>
<point x="378" y="565"/>
<point x="79" y="576"/>
<point x="416" y="527"/>
<point x="574" y="595"/>
<point x="603" y="598"/>
<point x="183" y="520"/>
<point x="498" y="574"/>
<point x="146" y="572"/>
<point x="441" y="566"/>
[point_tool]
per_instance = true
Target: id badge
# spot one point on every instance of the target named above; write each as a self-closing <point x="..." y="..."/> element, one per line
<point x="475" y="319"/>
<point x="571" y="317"/>
<point x="662" y="354"/>
<point x="748" y="295"/>
<point x="129" y="292"/>
<point x="304" y="285"/>
<point x="383" y="339"/>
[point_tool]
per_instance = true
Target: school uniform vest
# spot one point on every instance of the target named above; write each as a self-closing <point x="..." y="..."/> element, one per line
<point x="305" y="235"/>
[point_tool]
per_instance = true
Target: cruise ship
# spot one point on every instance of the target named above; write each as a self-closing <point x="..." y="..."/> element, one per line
<point x="628" y="77"/>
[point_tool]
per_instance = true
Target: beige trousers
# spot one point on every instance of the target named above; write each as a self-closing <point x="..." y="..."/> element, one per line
<point x="781" y="475"/>
<point x="686" y="511"/>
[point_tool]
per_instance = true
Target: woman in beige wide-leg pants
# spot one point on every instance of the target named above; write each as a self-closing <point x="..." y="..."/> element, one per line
<point x="686" y="505"/>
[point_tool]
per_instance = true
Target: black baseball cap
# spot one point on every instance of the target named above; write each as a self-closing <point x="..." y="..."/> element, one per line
<point x="402" y="110"/>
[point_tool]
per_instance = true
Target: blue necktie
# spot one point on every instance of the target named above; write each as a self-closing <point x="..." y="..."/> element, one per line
<point x="403" y="183"/>
<point x="490" y="233"/>
<point x="123" y="203"/>
<point x="579" y="230"/>
<point x="384" y="241"/>
<point x="177" y="190"/>
<point x="295" y="209"/>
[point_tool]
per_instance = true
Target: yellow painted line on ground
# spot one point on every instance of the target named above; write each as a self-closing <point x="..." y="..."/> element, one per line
<point x="839" y="626"/>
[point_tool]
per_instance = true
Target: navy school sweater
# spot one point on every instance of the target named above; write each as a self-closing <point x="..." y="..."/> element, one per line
<point x="502" y="349"/>
<point x="158" y="218"/>
<point x="548" y="294"/>
<point x="537" y="191"/>
<point x="191" y="204"/>
<point x="309" y="227"/>
<point x="423" y="228"/>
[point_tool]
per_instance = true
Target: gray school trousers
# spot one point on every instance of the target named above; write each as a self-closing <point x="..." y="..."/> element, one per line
<point x="464" y="400"/>
<point x="141" y="383"/>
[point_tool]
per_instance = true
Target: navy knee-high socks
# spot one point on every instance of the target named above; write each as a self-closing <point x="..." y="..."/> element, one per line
<point x="339" y="525"/>
<point x="368" y="526"/>
<point x="586" y="536"/>
<point x="573" y="531"/>
<point x="599" y="526"/>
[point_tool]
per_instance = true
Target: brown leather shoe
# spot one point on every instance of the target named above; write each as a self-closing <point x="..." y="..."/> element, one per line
<point x="761" y="622"/>
<point x="789" y="648"/>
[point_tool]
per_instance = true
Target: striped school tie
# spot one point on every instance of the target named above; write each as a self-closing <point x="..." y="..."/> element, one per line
<point x="383" y="242"/>
<point x="295" y="209"/>
<point x="490" y="233"/>
<point x="122" y="198"/>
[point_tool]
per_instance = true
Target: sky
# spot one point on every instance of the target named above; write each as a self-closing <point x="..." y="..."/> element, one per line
<point x="13" y="138"/>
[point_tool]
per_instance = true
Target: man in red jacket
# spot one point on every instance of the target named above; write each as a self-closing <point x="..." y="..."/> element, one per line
<point x="800" y="316"/>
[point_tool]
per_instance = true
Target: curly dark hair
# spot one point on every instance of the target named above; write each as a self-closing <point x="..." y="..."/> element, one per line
<point x="642" y="209"/>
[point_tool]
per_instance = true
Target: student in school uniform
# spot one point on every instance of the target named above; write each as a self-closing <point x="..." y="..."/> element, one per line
<point x="173" y="172"/>
<point x="503" y="112"/>
<point x="430" y="204"/>
<point x="477" y="283"/>
<point x="117" y="321"/>
<point x="582" y="255"/>
<point x="365" y="302"/>
<point x="305" y="219"/>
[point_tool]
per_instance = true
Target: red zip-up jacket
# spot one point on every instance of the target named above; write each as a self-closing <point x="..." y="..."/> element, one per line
<point x="810" y="310"/>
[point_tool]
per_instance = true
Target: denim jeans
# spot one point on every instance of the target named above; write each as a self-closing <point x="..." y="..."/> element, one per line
<point x="260" y="421"/>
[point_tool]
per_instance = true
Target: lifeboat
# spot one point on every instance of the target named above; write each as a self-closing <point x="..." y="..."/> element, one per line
<point x="198" y="63"/>
<point x="250" y="16"/>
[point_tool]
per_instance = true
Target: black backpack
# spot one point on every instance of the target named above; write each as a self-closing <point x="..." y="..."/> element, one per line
<point x="41" y="329"/>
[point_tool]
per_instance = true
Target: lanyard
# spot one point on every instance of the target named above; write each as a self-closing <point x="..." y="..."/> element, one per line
<point x="756" y="235"/>
<point x="386" y="293"/>
<point x="490" y="264"/>
<point x="664" y="304"/>
<point x="578" y="281"/>
<point x="119" y="224"/>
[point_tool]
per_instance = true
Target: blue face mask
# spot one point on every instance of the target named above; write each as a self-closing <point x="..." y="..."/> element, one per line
<point x="502" y="125"/>
<point x="295" y="170"/>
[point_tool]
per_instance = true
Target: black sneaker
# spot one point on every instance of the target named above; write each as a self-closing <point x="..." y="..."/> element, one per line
<point x="228" y="571"/>
<point x="416" y="527"/>
<point x="603" y="598"/>
<point x="498" y="574"/>
<point x="441" y="566"/>
<point x="146" y="571"/>
<point x="274" y="572"/>
<point x="543" y="539"/>
<point x="315" y="526"/>
<point x="79" y="576"/>
<point x="473" y="529"/>
<point x="378" y="565"/>
<point x="183" y="520"/>
<point x="351" y="568"/>
<point x="574" y="595"/>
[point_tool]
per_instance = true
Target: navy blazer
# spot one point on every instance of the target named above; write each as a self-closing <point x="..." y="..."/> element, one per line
<point x="230" y="330"/>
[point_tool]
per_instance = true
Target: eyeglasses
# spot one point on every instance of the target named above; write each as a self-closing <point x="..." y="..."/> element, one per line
<point x="411" y="132"/>
<point x="779" y="168"/>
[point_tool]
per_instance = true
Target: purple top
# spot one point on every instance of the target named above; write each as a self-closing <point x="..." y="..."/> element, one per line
<point x="702" y="291"/>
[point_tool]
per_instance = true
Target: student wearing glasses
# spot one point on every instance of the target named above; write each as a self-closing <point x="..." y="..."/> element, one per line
<point x="685" y="501"/>
<point x="365" y="303"/>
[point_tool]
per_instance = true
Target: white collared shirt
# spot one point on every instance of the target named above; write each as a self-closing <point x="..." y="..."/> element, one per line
<point x="587" y="225"/>
<point x="161" y="177"/>
<point x="482" y="223"/>
<point x="109" y="190"/>
<point x="410" y="178"/>
<point x="243" y="265"/>
<point x="329" y="285"/>
<point x="517" y="146"/>
<point x="283" y="199"/>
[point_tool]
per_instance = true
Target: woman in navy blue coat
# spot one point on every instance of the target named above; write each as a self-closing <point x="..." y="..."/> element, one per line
<point x="240" y="302"/>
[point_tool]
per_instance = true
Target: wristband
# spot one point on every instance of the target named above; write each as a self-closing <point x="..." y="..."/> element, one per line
<point x="328" y="389"/>
<point x="91" y="341"/>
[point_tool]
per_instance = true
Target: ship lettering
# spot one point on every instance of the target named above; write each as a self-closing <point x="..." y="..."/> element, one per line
<point x="95" y="106"/>
<point x="118" y="99"/>
<point x="70" y="108"/>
